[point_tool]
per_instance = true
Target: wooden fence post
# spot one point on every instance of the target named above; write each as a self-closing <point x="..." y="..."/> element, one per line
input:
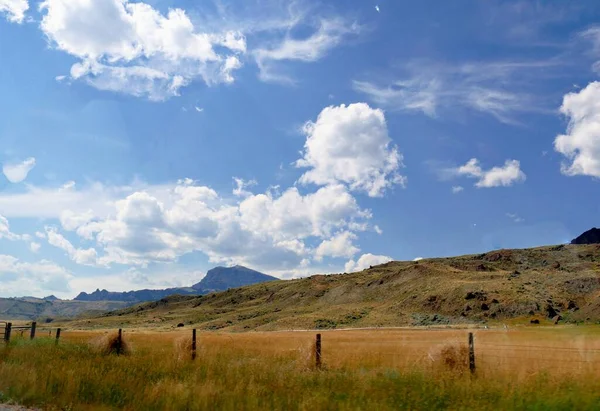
<point x="319" y="362"/>
<point x="120" y="342"/>
<point x="471" y="354"/>
<point x="57" y="336"/>
<point x="33" y="326"/>
<point x="7" y="331"/>
<point x="194" y="344"/>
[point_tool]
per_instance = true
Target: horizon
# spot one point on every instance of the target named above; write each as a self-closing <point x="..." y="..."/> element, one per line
<point x="144" y="142"/>
<point x="280" y="279"/>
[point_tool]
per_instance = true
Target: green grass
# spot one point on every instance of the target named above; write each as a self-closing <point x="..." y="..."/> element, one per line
<point x="233" y="377"/>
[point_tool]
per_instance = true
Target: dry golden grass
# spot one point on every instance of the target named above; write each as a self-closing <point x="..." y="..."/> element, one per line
<point x="543" y="368"/>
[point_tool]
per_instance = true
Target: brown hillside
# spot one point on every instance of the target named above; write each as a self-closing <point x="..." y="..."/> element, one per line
<point x="499" y="286"/>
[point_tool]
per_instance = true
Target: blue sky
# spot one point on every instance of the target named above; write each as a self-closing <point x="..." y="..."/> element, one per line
<point x="143" y="143"/>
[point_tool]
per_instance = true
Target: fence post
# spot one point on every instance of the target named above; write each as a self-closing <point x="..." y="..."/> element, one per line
<point x="33" y="326"/>
<point x="57" y="336"/>
<point x="318" y="358"/>
<point x="471" y="354"/>
<point x="7" y="331"/>
<point x="194" y="344"/>
<point x="119" y="341"/>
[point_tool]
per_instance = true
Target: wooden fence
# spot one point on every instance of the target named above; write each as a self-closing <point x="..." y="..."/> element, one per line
<point x="7" y="330"/>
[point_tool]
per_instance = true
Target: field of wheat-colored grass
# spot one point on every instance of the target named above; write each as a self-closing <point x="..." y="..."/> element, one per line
<point x="521" y="368"/>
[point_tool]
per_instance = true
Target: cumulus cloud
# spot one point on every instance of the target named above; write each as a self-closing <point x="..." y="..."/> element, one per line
<point x="268" y="230"/>
<point x="365" y="261"/>
<point x="17" y="172"/>
<point x="78" y="255"/>
<point x="340" y="245"/>
<point x="350" y="145"/>
<point x="131" y="47"/>
<point x="14" y="9"/>
<point x="457" y="189"/>
<point x="504" y="176"/>
<point x="581" y="142"/>
<point x="31" y="278"/>
<point x="329" y="33"/>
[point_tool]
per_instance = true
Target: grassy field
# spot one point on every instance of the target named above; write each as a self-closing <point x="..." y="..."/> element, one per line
<point x="521" y="368"/>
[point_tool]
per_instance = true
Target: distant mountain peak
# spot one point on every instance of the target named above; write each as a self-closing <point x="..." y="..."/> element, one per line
<point x="217" y="279"/>
<point x="223" y="278"/>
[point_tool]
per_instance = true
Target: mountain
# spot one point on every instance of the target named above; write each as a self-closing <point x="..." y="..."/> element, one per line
<point x="223" y="278"/>
<point x="504" y="286"/>
<point x="133" y="296"/>
<point x="30" y="308"/>
<point x="51" y="298"/>
<point x="589" y="237"/>
<point x="217" y="279"/>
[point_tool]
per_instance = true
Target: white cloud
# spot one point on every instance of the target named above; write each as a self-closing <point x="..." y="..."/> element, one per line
<point x="14" y="9"/>
<point x="241" y="185"/>
<point x="581" y="143"/>
<point x="339" y="245"/>
<point x="6" y="233"/>
<point x="504" y="176"/>
<point x="328" y="34"/>
<point x="495" y="88"/>
<point x="515" y="217"/>
<point x="5" y="230"/>
<point x="25" y="278"/>
<point x="17" y="172"/>
<point x="365" y="261"/>
<point x="457" y="189"/>
<point x="96" y="196"/>
<point x="350" y="144"/>
<point x="271" y="230"/>
<point x="78" y="255"/>
<point x="132" y="48"/>
<point x="199" y="109"/>
<point x="34" y="247"/>
<point x="71" y="220"/>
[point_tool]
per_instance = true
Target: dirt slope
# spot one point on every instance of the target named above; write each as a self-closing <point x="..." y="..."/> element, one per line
<point x="499" y="286"/>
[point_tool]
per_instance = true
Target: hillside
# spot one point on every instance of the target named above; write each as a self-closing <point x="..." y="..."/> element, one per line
<point x="30" y="308"/>
<point x="503" y="286"/>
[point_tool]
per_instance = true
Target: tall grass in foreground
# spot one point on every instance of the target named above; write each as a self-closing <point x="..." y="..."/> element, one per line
<point x="78" y="375"/>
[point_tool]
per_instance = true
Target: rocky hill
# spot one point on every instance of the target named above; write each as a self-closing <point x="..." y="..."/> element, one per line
<point x="547" y="284"/>
<point x="589" y="237"/>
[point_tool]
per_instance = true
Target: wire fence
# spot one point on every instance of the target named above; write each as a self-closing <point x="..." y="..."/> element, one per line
<point x="405" y="351"/>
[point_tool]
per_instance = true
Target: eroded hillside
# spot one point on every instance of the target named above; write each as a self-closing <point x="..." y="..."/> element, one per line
<point x="499" y="286"/>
